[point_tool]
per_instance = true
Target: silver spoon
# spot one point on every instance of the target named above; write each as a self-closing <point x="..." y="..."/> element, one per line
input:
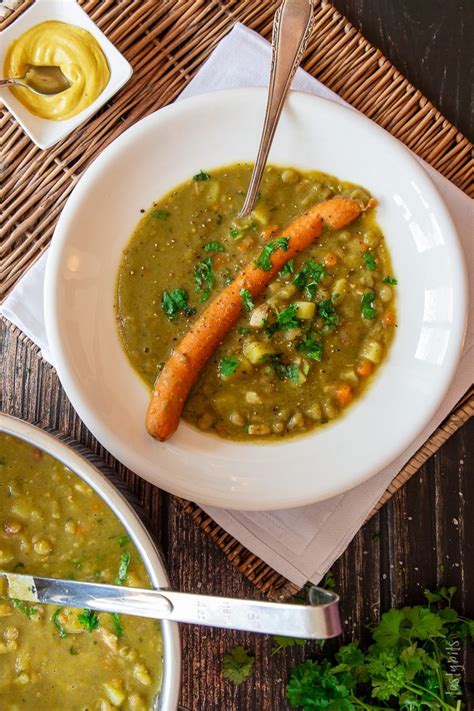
<point x="292" y="27"/>
<point x="44" y="81"/>
<point x="317" y="620"/>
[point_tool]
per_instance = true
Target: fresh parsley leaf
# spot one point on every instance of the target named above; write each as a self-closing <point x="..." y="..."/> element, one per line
<point x="370" y="262"/>
<point x="390" y="280"/>
<point x="328" y="313"/>
<point x="175" y="302"/>
<point x="286" y="371"/>
<point x="312" y="686"/>
<point x="247" y="299"/>
<point x="329" y="581"/>
<point x="56" y="621"/>
<point x="287" y="268"/>
<point x="309" y="276"/>
<point x="280" y="643"/>
<point x="263" y="260"/>
<point x="228" y="365"/>
<point x="123" y="540"/>
<point x="285" y="320"/>
<point x="27" y="610"/>
<point x="204" y="278"/>
<point x="201" y="176"/>
<point x="234" y="233"/>
<point x="237" y="665"/>
<point x="214" y="247"/>
<point x="89" y="619"/>
<point x="367" y="305"/>
<point x="243" y="330"/>
<point x="117" y="623"/>
<point x="159" y="214"/>
<point x="125" y="560"/>
<point x="311" y="347"/>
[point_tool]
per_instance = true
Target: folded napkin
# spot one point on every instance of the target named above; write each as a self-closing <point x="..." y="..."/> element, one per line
<point x="302" y="543"/>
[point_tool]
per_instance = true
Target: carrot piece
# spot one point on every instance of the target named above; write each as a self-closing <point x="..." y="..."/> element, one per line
<point x="183" y="367"/>
<point x="388" y="319"/>
<point x="364" y="369"/>
<point x="330" y="260"/>
<point x="344" y="394"/>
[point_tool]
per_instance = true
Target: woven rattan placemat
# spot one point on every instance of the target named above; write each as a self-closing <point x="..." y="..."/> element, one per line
<point x="166" y="41"/>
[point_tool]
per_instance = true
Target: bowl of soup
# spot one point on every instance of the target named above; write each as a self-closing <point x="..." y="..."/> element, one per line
<point x="329" y="373"/>
<point x="60" y="516"/>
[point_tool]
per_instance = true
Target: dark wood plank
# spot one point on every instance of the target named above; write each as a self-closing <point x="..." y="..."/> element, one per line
<point x="429" y="42"/>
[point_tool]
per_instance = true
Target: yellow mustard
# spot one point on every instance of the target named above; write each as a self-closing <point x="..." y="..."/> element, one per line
<point x="75" y="51"/>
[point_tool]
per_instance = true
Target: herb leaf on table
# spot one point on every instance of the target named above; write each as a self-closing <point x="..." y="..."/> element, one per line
<point x="237" y="665"/>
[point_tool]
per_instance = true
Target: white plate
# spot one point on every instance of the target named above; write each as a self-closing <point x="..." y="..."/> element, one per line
<point x="44" y="132"/>
<point x="213" y="130"/>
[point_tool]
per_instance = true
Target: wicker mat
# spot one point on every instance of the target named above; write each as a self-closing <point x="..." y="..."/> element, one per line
<point x="167" y="41"/>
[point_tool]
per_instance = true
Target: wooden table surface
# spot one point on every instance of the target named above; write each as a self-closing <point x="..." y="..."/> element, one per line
<point x="422" y="537"/>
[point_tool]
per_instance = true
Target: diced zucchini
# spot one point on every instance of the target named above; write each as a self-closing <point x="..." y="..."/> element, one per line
<point x="339" y="290"/>
<point x="372" y="350"/>
<point x="261" y="215"/>
<point x="259" y="316"/>
<point x="305" y="310"/>
<point x="257" y="352"/>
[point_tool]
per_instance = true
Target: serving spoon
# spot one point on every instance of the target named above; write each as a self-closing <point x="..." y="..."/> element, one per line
<point x="319" y="619"/>
<point x="44" y="81"/>
<point x="292" y="27"/>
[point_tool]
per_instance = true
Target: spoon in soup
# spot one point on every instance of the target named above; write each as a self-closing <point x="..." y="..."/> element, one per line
<point x="292" y="27"/>
<point x="44" y="81"/>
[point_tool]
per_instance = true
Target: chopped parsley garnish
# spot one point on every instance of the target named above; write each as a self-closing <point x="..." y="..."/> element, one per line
<point x="24" y="608"/>
<point x="237" y="665"/>
<point x="246" y="299"/>
<point x="175" y="302"/>
<point x="117" y="623"/>
<point x="214" y="247"/>
<point x="390" y="280"/>
<point x="228" y="279"/>
<point x="201" y="176"/>
<point x="370" y="261"/>
<point x="285" y="371"/>
<point x="287" y="268"/>
<point x="311" y="347"/>
<point x="309" y="277"/>
<point x="125" y="560"/>
<point x="228" y="365"/>
<point x="234" y="232"/>
<point x="328" y="313"/>
<point x="263" y="260"/>
<point x="204" y="278"/>
<point x="160" y="214"/>
<point x="55" y="619"/>
<point x="243" y="330"/>
<point x="122" y="541"/>
<point x="89" y="619"/>
<point x="367" y="305"/>
<point x="285" y="320"/>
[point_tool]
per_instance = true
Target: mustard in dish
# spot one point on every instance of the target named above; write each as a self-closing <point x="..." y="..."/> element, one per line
<point x="75" y="51"/>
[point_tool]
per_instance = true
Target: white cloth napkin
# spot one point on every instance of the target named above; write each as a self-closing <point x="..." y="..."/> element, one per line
<point x="302" y="543"/>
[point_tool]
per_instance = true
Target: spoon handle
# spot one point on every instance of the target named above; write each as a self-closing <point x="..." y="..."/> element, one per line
<point x="317" y="620"/>
<point x="292" y="27"/>
<point x="10" y="82"/>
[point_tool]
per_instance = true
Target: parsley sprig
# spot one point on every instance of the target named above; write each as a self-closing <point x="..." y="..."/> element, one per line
<point x="204" y="278"/>
<point x="247" y="300"/>
<point x="263" y="260"/>
<point x="367" y="306"/>
<point x="311" y="347"/>
<point x="308" y="277"/>
<point x="237" y="665"/>
<point x="89" y="619"/>
<point x="407" y="666"/>
<point x="175" y="302"/>
<point x="228" y="365"/>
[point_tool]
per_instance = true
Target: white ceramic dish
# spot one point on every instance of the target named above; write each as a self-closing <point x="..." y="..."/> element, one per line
<point x="43" y="132"/>
<point x="170" y="688"/>
<point x="213" y="130"/>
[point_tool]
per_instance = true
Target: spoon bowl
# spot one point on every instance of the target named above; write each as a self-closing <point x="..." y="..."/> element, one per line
<point x="44" y="81"/>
